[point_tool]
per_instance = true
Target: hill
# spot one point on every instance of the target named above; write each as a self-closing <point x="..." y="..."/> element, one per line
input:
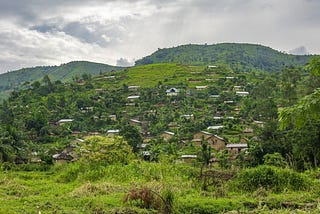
<point x="14" y="80"/>
<point x="241" y="57"/>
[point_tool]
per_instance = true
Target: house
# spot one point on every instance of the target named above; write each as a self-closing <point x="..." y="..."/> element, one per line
<point x="63" y="121"/>
<point x="216" y="142"/>
<point x="166" y="135"/>
<point x="214" y="96"/>
<point x="200" y="88"/>
<point x="228" y="101"/>
<point x="229" y="78"/>
<point x="236" y="148"/>
<point x="248" y="131"/>
<point x="172" y="92"/>
<point x="242" y="93"/>
<point x="215" y="127"/>
<point x="212" y="66"/>
<point x="113" y="117"/>
<point x="188" y="116"/>
<point x="173" y="125"/>
<point x="217" y="118"/>
<point x="259" y="123"/>
<point x="188" y="158"/>
<point x="133" y="97"/>
<point x="237" y="87"/>
<point x="113" y="132"/>
<point x="135" y="122"/>
<point x="67" y="155"/>
<point x="110" y="77"/>
<point x="133" y="87"/>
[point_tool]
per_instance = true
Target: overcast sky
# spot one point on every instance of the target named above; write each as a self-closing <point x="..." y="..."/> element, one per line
<point x="51" y="32"/>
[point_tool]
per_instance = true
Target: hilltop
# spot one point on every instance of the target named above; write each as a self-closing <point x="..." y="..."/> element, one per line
<point x="241" y="57"/>
<point x="14" y="80"/>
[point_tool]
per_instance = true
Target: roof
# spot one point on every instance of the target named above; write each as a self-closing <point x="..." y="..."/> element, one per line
<point x="65" y="120"/>
<point x="133" y="97"/>
<point x="214" y="96"/>
<point x="201" y="87"/>
<point x="189" y="156"/>
<point x="135" y="121"/>
<point x="167" y="132"/>
<point x="242" y="92"/>
<point x="172" y="90"/>
<point x="215" y="127"/>
<point x="113" y="131"/>
<point x="220" y="138"/>
<point x="207" y="133"/>
<point x="237" y="145"/>
<point x="133" y="87"/>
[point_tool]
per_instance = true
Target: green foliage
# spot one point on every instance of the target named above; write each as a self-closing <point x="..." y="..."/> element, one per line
<point x="271" y="178"/>
<point x="241" y="57"/>
<point x="106" y="150"/>
<point x="274" y="159"/>
<point x="13" y="80"/>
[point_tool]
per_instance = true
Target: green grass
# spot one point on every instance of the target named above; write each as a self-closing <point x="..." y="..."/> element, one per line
<point x="92" y="192"/>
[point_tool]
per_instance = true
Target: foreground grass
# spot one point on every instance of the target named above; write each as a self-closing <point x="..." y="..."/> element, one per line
<point x="80" y="188"/>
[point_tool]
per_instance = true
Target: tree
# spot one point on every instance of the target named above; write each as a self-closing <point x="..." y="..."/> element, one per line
<point x="106" y="150"/>
<point x="304" y="117"/>
<point x="132" y="136"/>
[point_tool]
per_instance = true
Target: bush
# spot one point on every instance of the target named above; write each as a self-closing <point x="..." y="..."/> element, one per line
<point x="271" y="178"/>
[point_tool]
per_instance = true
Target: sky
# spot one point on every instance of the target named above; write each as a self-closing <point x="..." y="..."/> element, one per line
<point x="118" y="32"/>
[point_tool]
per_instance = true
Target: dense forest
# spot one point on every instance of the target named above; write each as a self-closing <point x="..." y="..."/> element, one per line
<point x="241" y="57"/>
<point x="167" y="137"/>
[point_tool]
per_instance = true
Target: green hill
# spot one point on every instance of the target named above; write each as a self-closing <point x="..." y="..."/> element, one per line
<point x="13" y="80"/>
<point x="241" y="57"/>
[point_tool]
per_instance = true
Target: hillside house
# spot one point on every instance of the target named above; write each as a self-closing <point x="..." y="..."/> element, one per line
<point x="133" y="88"/>
<point x="237" y="87"/>
<point x="113" y="132"/>
<point x="215" y="127"/>
<point x="133" y="98"/>
<point x="166" y="135"/>
<point x="259" y="123"/>
<point x="242" y="93"/>
<point x="216" y="142"/>
<point x="67" y="155"/>
<point x="172" y="92"/>
<point x="110" y="77"/>
<point x="113" y="117"/>
<point x="188" y="116"/>
<point x="236" y="148"/>
<point x="214" y="96"/>
<point x="135" y="122"/>
<point x="201" y="88"/>
<point x="63" y="121"/>
<point x="188" y="158"/>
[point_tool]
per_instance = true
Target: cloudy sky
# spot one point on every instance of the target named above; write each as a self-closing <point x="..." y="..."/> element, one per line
<point x="117" y="32"/>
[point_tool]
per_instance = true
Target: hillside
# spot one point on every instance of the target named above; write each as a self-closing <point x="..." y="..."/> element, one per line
<point x="241" y="57"/>
<point x="13" y="80"/>
<point x="190" y="137"/>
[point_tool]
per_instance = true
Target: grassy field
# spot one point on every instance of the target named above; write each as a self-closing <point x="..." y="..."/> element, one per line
<point x="81" y="188"/>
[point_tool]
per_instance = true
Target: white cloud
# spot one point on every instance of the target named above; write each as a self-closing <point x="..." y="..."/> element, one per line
<point x="52" y="32"/>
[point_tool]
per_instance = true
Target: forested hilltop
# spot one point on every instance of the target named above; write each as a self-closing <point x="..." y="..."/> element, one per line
<point x="164" y="138"/>
<point x="16" y="80"/>
<point x="241" y="57"/>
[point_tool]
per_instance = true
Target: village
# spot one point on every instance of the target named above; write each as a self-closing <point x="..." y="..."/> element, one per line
<point x="213" y="92"/>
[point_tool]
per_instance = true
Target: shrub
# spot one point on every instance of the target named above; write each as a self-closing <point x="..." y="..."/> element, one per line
<point x="271" y="178"/>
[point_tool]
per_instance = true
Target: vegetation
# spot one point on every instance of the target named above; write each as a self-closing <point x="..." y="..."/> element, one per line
<point x="15" y="80"/>
<point x="241" y="57"/>
<point x="163" y="138"/>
